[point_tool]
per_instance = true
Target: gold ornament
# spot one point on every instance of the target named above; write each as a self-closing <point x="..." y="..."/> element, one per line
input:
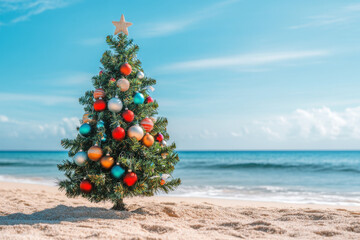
<point x="148" y="140"/>
<point x="122" y="26"/>
<point x="107" y="162"/>
<point x="136" y="131"/>
<point x="95" y="153"/>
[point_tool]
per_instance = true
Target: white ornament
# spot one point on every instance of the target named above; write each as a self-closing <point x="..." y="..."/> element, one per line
<point x="140" y="75"/>
<point x="115" y="105"/>
<point x="136" y="131"/>
<point x="80" y="158"/>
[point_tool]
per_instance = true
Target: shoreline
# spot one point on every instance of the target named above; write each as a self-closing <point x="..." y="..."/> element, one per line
<point x="30" y="211"/>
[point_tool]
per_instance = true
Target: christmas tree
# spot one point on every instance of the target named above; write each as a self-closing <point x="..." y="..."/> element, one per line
<point x="121" y="148"/>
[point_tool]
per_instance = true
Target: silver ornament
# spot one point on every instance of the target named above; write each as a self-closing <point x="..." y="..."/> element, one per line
<point x="163" y="143"/>
<point x="115" y="105"/>
<point x="80" y="158"/>
<point x="136" y="131"/>
<point x="140" y="75"/>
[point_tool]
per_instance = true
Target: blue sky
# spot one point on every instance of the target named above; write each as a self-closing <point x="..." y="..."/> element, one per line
<point x="231" y="74"/>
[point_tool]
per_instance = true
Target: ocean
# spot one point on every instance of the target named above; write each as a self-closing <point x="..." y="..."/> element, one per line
<point x="324" y="177"/>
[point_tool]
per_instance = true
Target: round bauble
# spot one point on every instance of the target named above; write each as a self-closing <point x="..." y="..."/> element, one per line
<point x="87" y="118"/>
<point x="80" y="158"/>
<point x="99" y="105"/>
<point x="115" y="105"/>
<point x="85" y="130"/>
<point x="163" y="143"/>
<point x="162" y="182"/>
<point x="123" y="84"/>
<point x="125" y="69"/>
<point x="99" y="93"/>
<point x="149" y="99"/>
<point x="128" y="115"/>
<point x="140" y="75"/>
<point x="159" y="137"/>
<point x="118" y="133"/>
<point x="100" y="73"/>
<point x="100" y="124"/>
<point x="130" y="178"/>
<point x="138" y="98"/>
<point x="148" y="140"/>
<point x="107" y="161"/>
<point x="136" y="131"/>
<point x="147" y="124"/>
<point x="112" y="80"/>
<point x="95" y="153"/>
<point x="85" y="186"/>
<point x="117" y="171"/>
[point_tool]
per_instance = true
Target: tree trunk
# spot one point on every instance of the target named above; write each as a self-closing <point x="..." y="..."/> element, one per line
<point x="119" y="205"/>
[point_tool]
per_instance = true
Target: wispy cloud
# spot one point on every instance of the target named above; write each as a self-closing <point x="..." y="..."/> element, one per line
<point x="168" y="27"/>
<point x="337" y="17"/>
<point x="245" y="60"/>
<point x="42" y="99"/>
<point x="314" y="124"/>
<point x="27" y="8"/>
<point x="4" y="118"/>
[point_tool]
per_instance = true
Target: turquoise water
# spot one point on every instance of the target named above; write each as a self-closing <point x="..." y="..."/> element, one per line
<point x="331" y="177"/>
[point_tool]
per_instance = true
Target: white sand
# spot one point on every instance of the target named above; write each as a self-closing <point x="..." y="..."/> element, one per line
<point x="39" y="212"/>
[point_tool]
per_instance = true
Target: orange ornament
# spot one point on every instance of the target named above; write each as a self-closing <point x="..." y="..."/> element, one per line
<point x="95" y="153"/>
<point x="162" y="182"/>
<point x="99" y="93"/>
<point x="148" y="140"/>
<point x="107" y="162"/>
<point x="125" y="69"/>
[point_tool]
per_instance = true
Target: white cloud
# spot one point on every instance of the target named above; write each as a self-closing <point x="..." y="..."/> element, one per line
<point x="339" y="16"/>
<point x="314" y="124"/>
<point x="253" y="59"/>
<point x="169" y="27"/>
<point x="27" y="8"/>
<point x="4" y="118"/>
<point x="42" y="99"/>
<point x="77" y="78"/>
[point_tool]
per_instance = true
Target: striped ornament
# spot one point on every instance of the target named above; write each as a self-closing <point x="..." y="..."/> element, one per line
<point x="99" y="93"/>
<point x="147" y="124"/>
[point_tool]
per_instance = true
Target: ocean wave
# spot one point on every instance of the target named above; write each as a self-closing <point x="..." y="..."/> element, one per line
<point x="297" y="166"/>
<point x="27" y="164"/>
<point x="29" y="180"/>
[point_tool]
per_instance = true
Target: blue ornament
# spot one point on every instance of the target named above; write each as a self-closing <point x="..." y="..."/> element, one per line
<point x="85" y="129"/>
<point x="80" y="158"/>
<point x="139" y="98"/>
<point x="117" y="171"/>
<point x="100" y="124"/>
<point x="103" y="138"/>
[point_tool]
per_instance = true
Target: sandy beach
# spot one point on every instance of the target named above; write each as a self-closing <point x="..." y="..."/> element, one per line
<point x="31" y="211"/>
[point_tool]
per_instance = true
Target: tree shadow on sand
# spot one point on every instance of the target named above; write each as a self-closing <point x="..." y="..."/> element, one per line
<point x="64" y="213"/>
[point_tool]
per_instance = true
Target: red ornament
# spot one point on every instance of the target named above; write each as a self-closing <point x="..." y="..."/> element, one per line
<point x="85" y="186"/>
<point x="128" y="115"/>
<point x="100" y="73"/>
<point x="162" y="182"/>
<point x="159" y="137"/>
<point x="147" y="124"/>
<point x="118" y="133"/>
<point x="99" y="105"/>
<point x="125" y="69"/>
<point x="130" y="178"/>
<point x="149" y="99"/>
<point x="112" y="80"/>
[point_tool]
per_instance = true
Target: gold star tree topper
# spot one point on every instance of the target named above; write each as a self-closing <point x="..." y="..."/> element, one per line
<point x="122" y="26"/>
